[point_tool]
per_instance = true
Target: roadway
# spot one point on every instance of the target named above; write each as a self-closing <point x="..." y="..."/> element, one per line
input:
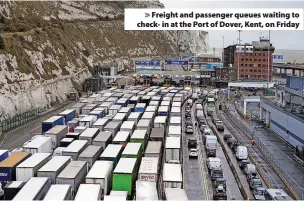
<point x="193" y="179"/>
<point x="232" y="186"/>
<point x="276" y="149"/>
<point x="16" y="138"/>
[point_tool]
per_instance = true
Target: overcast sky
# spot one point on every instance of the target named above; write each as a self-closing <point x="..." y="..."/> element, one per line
<point x="280" y="39"/>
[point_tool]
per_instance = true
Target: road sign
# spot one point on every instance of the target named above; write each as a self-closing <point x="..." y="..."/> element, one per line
<point x="176" y="62"/>
<point x="147" y="63"/>
<point x="277" y="56"/>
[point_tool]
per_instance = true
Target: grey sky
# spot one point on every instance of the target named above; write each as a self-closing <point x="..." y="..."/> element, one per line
<point x="281" y="39"/>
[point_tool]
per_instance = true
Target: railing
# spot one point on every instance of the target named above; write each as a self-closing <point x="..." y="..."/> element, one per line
<point x="18" y="120"/>
<point x="296" y="190"/>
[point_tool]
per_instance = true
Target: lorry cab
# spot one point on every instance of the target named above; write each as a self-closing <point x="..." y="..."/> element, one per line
<point x="114" y="85"/>
<point x="167" y="81"/>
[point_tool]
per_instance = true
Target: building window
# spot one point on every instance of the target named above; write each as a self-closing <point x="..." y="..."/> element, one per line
<point x="259" y="65"/>
<point x="250" y="70"/>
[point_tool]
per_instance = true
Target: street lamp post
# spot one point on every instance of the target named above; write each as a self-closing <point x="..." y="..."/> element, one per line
<point x="268" y="67"/>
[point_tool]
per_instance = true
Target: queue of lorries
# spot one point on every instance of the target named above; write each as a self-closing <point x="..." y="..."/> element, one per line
<point x="118" y="144"/>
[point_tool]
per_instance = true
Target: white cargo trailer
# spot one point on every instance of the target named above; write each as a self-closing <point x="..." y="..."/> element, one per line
<point x="29" y="168"/>
<point x="106" y="106"/>
<point x="112" y="100"/>
<point x="173" y="194"/>
<point x="100" y="123"/>
<point x="122" y="137"/>
<point x="114" y="109"/>
<point x="126" y="110"/>
<point x="114" y="198"/>
<point x="148" y="170"/>
<point x="119" y="193"/>
<point x="35" y="189"/>
<point x="172" y="176"/>
<point x="88" y="192"/>
<point x="59" y="192"/>
<point x="128" y="126"/>
<point x="146" y="191"/>
<point x="154" y="103"/>
<point x="40" y="144"/>
<point x="75" y="135"/>
<point x="175" y="131"/>
<point x="176" y="112"/>
<point x="101" y="173"/>
<point x="90" y="154"/>
<point x="103" y="139"/>
<point x="165" y="103"/>
<point x="52" y="168"/>
<point x="75" y="148"/>
<point x="74" y="174"/>
<point x="154" y="149"/>
<point x="176" y="104"/>
<point x="151" y="108"/>
<point x="113" y="127"/>
<point x="175" y="121"/>
<point x="57" y="133"/>
<point x="78" y="107"/>
<point x="79" y="129"/>
<point x="144" y="124"/>
<point x="87" y="109"/>
<point x="173" y="149"/>
<point x="148" y="116"/>
<point x="120" y="117"/>
<point x="88" y="121"/>
<point x="89" y="134"/>
<point x="135" y="116"/>
<point x="160" y="122"/>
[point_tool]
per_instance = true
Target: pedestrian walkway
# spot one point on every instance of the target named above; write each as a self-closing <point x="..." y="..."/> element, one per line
<point x="278" y="149"/>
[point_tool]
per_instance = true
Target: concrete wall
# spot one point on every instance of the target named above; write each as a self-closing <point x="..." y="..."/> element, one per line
<point x="287" y="126"/>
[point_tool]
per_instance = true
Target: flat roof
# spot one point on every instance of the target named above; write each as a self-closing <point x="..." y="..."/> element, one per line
<point x="54" y="164"/>
<point x="119" y="116"/>
<point x="27" y="192"/>
<point x="127" y="125"/>
<point x="52" y="119"/>
<point x="140" y="105"/>
<point x="143" y="123"/>
<point x="89" y="132"/>
<point x="75" y="146"/>
<point x="125" y="166"/>
<point x="13" y="159"/>
<point x="68" y="111"/>
<point x="148" y="115"/>
<point x="37" y="142"/>
<point x="175" y="120"/>
<point x="111" y="150"/>
<point x="125" y="109"/>
<point x="102" y="136"/>
<point x="72" y="169"/>
<point x="112" y="124"/>
<point x="134" y="115"/>
<point x="175" y="130"/>
<point x="172" y="172"/>
<point x="132" y="148"/>
<point x="139" y="134"/>
<point x="121" y="136"/>
<point x="149" y="165"/>
<point x="88" y="192"/>
<point x="173" y="143"/>
<point x="101" y="122"/>
<point x="153" y="147"/>
<point x="160" y="119"/>
<point x="34" y="160"/>
<point x="163" y="108"/>
<point x="100" y="169"/>
<point x="90" y="151"/>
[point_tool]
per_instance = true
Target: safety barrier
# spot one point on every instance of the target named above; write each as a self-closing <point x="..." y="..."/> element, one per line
<point x="234" y="172"/>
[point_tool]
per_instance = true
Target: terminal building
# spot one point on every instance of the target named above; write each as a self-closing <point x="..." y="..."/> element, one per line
<point x="285" y="113"/>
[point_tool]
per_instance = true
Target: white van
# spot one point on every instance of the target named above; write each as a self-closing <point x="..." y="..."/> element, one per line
<point x="241" y="153"/>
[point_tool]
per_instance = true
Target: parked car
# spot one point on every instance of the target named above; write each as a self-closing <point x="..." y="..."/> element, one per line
<point x="227" y="136"/>
<point x="193" y="153"/>
<point x="259" y="193"/>
<point x="255" y="183"/>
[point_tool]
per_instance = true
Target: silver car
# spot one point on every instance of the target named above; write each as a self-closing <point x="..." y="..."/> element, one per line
<point x="259" y="193"/>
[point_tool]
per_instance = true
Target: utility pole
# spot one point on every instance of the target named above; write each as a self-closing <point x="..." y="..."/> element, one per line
<point x="222" y="57"/>
<point x="238" y="77"/>
<point x="268" y="69"/>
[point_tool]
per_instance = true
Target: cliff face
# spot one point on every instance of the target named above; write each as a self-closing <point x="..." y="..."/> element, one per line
<point x="48" y="48"/>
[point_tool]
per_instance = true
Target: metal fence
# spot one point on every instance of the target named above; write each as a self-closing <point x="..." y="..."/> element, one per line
<point x="296" y="190"/>
<point x="19" y="120"/>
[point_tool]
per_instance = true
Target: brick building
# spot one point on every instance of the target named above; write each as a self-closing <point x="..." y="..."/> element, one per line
<point x="250" y="61"/>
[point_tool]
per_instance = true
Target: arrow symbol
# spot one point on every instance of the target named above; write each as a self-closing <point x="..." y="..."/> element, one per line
<point x="147" y="15"/>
